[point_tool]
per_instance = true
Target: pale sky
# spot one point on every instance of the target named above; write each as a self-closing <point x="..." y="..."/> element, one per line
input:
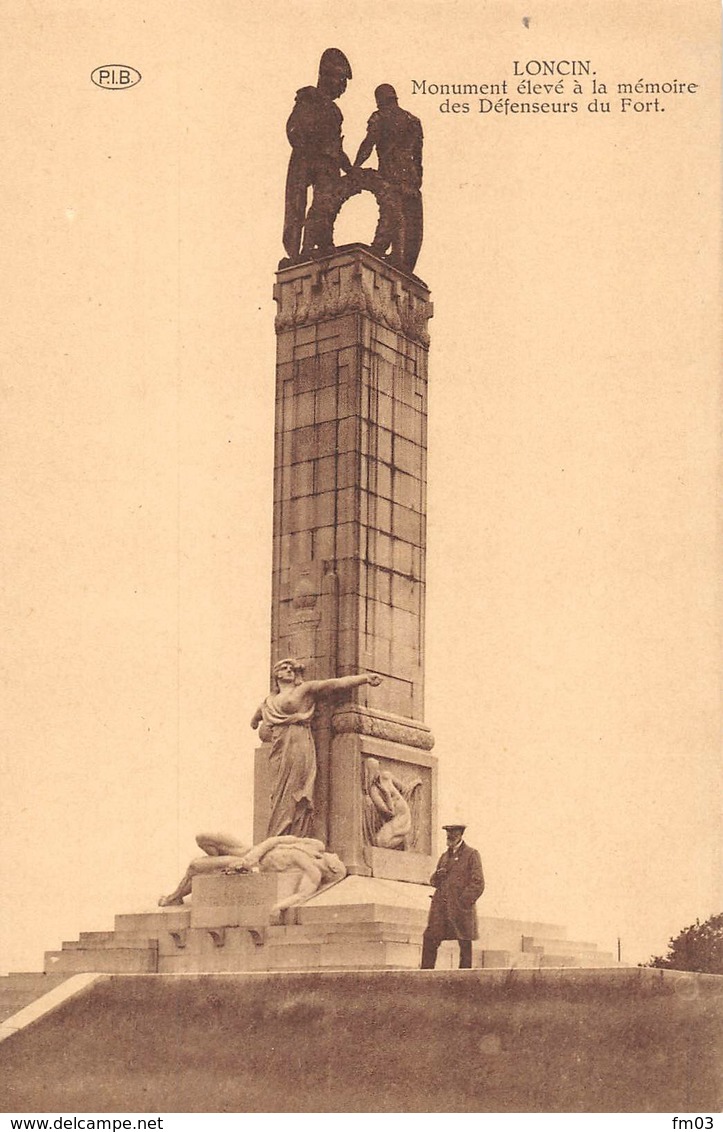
<point x="573" y="547"/>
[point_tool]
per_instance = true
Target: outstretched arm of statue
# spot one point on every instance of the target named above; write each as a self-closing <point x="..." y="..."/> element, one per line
<point x="339" y="683"/>
<point x="256" y="718"/>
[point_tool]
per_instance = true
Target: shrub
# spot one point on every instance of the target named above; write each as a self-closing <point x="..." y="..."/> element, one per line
<point x="697" y="948"/>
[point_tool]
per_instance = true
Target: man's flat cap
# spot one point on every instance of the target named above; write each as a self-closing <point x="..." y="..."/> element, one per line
<point x="450" y="828"/>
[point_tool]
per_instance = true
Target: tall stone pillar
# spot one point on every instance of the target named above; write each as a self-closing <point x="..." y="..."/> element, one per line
<point x="349" y="541"/>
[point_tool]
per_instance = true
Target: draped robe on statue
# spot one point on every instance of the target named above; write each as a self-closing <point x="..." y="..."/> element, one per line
<point x="293" y="766"/>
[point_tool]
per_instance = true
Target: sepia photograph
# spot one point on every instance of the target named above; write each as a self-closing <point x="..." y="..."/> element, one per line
<point x="360" y="459"/>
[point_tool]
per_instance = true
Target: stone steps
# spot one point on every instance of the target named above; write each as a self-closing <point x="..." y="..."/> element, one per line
<point x="318" y="932"/>
<point x="343" y="937"/>
<point x="360" y="913"/>
<point x="157" y="920"/>
<point x="361" y="923"/>
<point x="565" y="953"/>
<point x="519" y="928"/>
<point x="112" y="960"/>
<point x="538" y="959"/>
<point x="501" y="958"/>
<point x="599" y="959"/>
<point x="345" y="955"/>
<point x="562" y="946"/>
<point x="110" y="941"/>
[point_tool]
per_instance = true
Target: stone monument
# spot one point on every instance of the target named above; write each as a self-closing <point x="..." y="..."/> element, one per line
<point x="350" y="514"/>
<point x="345" y="784"/>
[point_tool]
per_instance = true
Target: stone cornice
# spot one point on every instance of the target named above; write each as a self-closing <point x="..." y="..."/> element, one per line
<point x="380" y="725"/>
<point x="352" y="281"/>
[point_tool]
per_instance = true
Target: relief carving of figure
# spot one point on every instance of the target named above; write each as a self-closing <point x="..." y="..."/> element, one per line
<point x="391" y="817"/>
<point x="226" y="854"/>
<point x="397" y="136"/>
<point x="317" y="159"/>
<point x="286" y="715"/>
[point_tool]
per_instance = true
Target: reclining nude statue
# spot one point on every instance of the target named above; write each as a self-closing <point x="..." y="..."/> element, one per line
<point x="226" y="854"/>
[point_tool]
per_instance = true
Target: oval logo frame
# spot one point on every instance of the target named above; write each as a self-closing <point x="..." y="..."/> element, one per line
<point x="115" y="76"/>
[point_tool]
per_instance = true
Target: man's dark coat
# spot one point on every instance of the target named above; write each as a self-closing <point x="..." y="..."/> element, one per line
<point x="459" y="883"/>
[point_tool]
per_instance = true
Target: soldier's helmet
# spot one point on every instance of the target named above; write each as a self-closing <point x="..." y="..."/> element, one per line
<point x="334" y="62"/>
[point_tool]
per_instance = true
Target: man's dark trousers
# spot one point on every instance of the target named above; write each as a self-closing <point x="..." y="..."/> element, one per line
<point x="430" y="946"/>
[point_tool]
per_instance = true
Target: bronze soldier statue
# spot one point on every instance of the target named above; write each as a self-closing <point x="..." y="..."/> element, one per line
<point x="397" y="135"/>
<point x="317" y="159"/>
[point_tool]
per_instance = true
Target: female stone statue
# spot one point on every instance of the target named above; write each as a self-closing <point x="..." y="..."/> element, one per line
<point x="286" y="717"/>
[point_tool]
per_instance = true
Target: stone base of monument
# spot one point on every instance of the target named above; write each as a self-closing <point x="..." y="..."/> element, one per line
<point x="245" y="900"/>
<point x="359" y="923"/>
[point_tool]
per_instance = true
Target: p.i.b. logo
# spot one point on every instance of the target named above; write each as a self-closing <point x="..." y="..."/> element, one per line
<point x="116" y="76"/>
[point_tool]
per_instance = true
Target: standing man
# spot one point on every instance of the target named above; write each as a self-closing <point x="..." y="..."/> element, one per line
<point x="459" y="882"/>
